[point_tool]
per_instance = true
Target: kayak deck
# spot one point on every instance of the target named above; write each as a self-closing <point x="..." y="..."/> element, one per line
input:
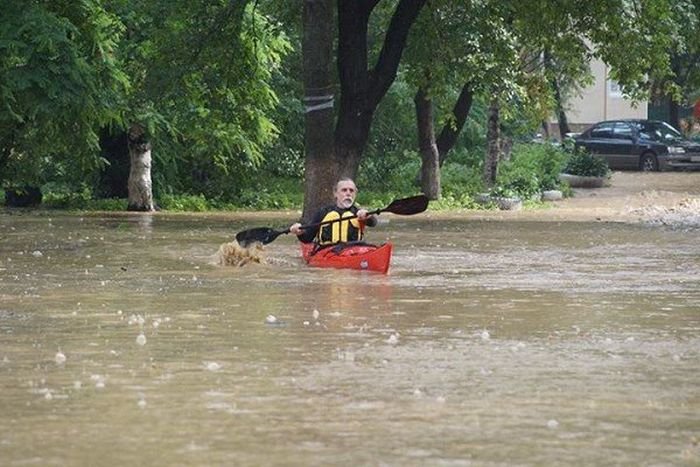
<point x="362" y="257"/>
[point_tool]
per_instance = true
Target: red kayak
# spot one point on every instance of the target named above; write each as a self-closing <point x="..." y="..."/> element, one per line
<point x="351" y="256"/>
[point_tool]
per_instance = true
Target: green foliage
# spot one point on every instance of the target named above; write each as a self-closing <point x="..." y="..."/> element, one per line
<point x="396" y="171"/>
<point x="193" y="203"/>
<point x="59" y="82"/>
<point x="269" y="198"/>
<point x="60" y="196"/>
<point x="459" y="179"/>
<point x="201" y="74"/>
<point x="584" y="164"/>
<point x="284" y="196"/>
<point x="456" y="201"/>
<point x="285" y="156"/>
<point x="517" y="184"/>
<point x="217" y="86"/>
<point x="202" y="87"/>
<point x="533" y="168"/>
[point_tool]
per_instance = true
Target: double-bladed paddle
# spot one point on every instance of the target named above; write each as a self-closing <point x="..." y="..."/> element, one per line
<point x="265" y="235"/>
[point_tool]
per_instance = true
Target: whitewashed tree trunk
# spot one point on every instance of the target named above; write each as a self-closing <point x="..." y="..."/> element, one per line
<point x="140" y="185"/>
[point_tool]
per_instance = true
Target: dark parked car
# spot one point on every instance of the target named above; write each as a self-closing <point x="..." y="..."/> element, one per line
<point x="646" y="145"/>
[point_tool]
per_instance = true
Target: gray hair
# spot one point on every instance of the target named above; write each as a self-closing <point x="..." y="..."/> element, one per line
<point x="343" y="179"/>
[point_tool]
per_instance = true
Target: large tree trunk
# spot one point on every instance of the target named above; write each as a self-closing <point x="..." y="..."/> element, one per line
<point x="492" y="138"/>
<point x="430" y="158"/>
<point x="361" y="89"/>
<point x="320" y="163"/>
<point x="140" y="186"/>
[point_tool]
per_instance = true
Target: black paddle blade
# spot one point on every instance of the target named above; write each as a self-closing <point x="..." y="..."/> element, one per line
<point x="408" y="206"/>
<point x="262" y="235"/>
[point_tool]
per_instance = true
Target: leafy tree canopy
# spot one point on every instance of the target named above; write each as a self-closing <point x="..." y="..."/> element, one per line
<point x="59" y="81"/>
<point x="202" y="75"/>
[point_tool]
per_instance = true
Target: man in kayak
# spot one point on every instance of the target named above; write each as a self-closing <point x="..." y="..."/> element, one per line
<point x="350" y="230"/>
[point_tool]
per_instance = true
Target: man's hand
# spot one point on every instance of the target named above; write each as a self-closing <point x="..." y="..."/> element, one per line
<point x="296" y="229"/>
<point x="362" y="214"/>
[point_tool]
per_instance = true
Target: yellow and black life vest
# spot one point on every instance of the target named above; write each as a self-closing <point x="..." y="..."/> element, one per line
<point x="350" y="230"/>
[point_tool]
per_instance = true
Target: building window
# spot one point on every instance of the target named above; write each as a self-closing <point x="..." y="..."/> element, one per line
<point x="614" y="88"/>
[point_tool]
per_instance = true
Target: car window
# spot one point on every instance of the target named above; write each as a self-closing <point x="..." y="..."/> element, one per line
<point x="658" y="131"/>
<point x="622" y="131"/>
<point x="603" y="130"/>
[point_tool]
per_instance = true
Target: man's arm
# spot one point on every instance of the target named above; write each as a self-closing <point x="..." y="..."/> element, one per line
<point x="309" y="234"/>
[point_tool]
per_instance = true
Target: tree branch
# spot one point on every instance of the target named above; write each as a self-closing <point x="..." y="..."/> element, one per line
<point x="384" y="72"/>
<point x="460" y="112"/>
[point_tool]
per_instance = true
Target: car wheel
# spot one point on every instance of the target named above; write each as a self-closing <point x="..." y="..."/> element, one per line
<point x="648" y="163"/>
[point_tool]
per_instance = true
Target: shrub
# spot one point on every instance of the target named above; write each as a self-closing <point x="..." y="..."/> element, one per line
<point x="263" y="198"/>
<point x="584" y="164"/>
<point x="533" y="168"/>
<point x="461" y="181"/>
<point x="76" y="201"/>
<point x="191" y="203"/>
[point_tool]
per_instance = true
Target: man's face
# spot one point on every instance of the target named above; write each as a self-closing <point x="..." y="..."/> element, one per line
<point x="345" y="194"/>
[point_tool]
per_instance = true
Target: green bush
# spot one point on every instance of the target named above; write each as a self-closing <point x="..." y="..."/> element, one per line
<point x="584" y="164"/>
<point x="191" y="203"/>
<point x="79" y="202"/>
<point x="264" y="198"/>
<point x="459" y="180"/>
<point x="533" y="168"/>
<point x="456" y="201"/>
<point x="396" y="172"/>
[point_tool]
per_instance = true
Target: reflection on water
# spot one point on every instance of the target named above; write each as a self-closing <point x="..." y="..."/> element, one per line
<point x="123" y="343"/>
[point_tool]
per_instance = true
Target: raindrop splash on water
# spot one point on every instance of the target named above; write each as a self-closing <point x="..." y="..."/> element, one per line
<point x="99" y="381"/>
<point x="60" y="358"/>
<point x="141" y="339"/>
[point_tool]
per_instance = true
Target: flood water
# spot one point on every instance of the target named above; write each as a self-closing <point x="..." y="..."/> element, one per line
<point x="489" y="343"/>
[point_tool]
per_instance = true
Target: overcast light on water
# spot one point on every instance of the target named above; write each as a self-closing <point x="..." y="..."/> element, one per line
<point x="123" y="342"/>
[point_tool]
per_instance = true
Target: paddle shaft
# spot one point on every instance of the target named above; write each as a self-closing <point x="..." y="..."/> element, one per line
<point x="319" y="224"/>
<point x="265" y="235"/>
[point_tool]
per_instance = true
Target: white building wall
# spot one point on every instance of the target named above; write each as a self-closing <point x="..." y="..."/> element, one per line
<point x="600" y="101"/>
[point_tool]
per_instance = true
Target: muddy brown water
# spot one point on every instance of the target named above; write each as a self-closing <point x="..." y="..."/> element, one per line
<point x="489" y="343"/>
